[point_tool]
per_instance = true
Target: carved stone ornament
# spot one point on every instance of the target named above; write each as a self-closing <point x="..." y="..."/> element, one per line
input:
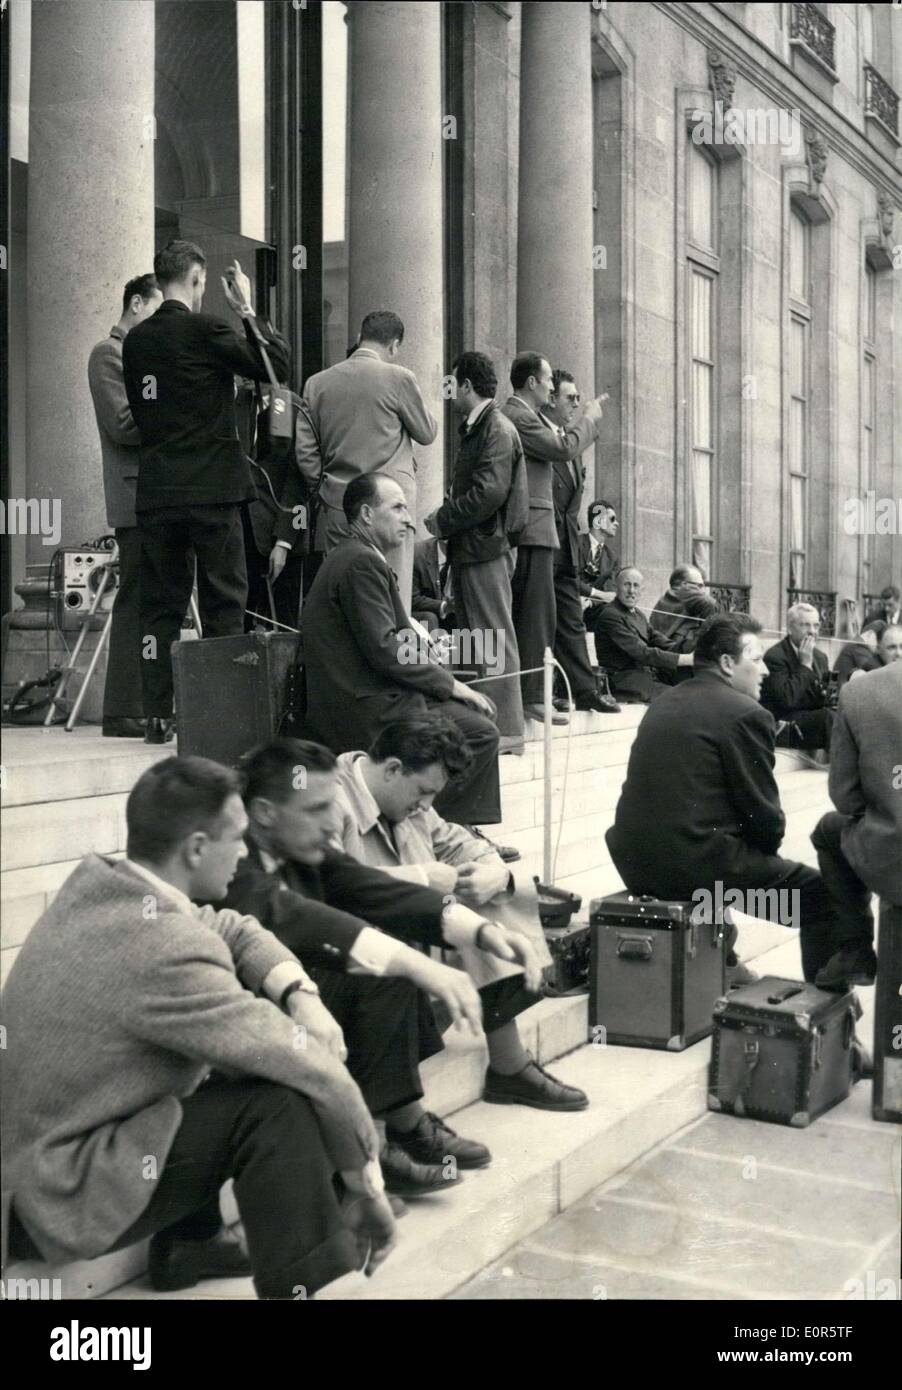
<point x="816" y="147"/>
<point x="886" y="213"/>
<point x="723" y="78"/>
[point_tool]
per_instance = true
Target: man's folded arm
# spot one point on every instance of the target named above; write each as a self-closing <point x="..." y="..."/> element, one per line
<point x="302" y="925"/>
<point x="625" y="636"/>
<point x="748" y="760"/>
<point x="365" y="592"/>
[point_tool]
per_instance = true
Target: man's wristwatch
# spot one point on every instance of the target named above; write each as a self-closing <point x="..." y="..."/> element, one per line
<point x="305" y="986"/>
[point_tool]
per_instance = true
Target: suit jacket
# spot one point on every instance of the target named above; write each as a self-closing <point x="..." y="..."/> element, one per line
<point x="855" y="656"/>
<point x="865" y="758"/>
<point x="625" y="642"/>
<point x="473" y="516"/>
<point x="597" y="573"/>
<point x="318" y="913"/>
<point x="543" y="446"/>
<point x="368" y="414"/>
<point x="679" y="619"/>
<point x="190" y="449"/>
<point x="119" y="437"/>
<point x="427" y="586"/>
<point x="789" y="686"/>
<point x="700" y="802"/>
<point x="879" y="614"/>
<point x="356" y="662"/>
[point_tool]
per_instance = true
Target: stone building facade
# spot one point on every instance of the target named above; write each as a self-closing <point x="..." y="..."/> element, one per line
<point x="693" y="207"/>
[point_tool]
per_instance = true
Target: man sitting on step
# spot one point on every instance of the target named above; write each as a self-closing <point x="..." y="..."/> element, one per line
<point x="327" y="907"/>
<point x="123" y="998"/>
<point x="385" y="817"/>
<point x="700" y="806"/>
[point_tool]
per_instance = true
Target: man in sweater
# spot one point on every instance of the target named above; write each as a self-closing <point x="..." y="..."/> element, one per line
<point x="123" y="704"/>
<point x="180" y="367"/>
<point x="122" y="1000"/>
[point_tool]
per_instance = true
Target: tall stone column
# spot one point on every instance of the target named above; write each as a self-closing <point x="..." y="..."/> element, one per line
<point x="554" y="245"/>
<point x="395" y="197"/>
<point x="90" y="229"/>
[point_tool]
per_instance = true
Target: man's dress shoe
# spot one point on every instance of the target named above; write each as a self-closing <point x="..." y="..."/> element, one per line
<point x="407" y="1178"/>
<point x="121" y="726"/>
<point x="850" y="966"/>
<point x="505" y="852"/>
<point x="159" y="731"/>
<point x="538" y="712"/>
<point x="180" y="1264"/>
<point x="432" y="1141"/>
<point x="533" y="1086"/>
<point x="601" y="704"/>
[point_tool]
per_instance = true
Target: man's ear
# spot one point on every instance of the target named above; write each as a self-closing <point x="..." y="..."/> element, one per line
<point x="261" y="811"/>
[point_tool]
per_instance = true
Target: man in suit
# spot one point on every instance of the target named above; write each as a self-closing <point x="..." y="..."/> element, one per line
<point x="474" y="522"/>
<point x="385" y="818"/>
<point x="431" y="601"/>
<point x="597" y="564"/>
<point x="363" y="663"/>
<point x="532" y="586"/>
<point x="796" y="689"/>
<point x="123" y="704"/>
<point x="638" y="660"/>
<point x="859" y="845"/>
<point x="350" y="925"/>
<point x="142" y="1025"/>
<point x="680" y="612"/>
<point x="888" y="608"/>
<point x="366" y="414"/>
<point x="568" y="480"/>
<point x="180" y="367"/>
<point x="700" y="805"/>
<point x="860" y="654"/>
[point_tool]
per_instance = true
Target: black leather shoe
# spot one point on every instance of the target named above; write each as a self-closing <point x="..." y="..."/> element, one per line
<point x="159" y="731"/>
<point x="121" y="726"/>
<point x="433" y="1142"/>
<point x="180" y="1264"/>
<point x="601" y="704"/>
<point x="533" y="1086"/>
<point x="856" y="965"/>
<point x="407" y="1178"/>
<point x="506" y="852"/>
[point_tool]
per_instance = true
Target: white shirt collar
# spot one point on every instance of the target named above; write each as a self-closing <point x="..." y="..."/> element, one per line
<point x="269" y="862"/>
<point x="476" y="412"/>
<point x="181" y="900"/>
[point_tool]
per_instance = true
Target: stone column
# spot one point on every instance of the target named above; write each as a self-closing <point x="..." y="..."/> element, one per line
<point x="554" y="252"/>
<point x="395" y="198"/>
<point x="90" y="229"/>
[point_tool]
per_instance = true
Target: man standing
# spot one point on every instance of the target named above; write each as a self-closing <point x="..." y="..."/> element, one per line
<point x="180" y="369"/>
<point x="535" y="615"/>
<point x="474" y="520"/>
<point x="638" y="660"/>
<point x="362" y="661"/>
<point x="123" y="704"/>
<point x="700" y="805"/>
<point x="888" y="607"/>
<point x="568" y="479"/>
<point x="796" y="687"/>
<point x="367" y="413"/>
<point x="859" y="845"/>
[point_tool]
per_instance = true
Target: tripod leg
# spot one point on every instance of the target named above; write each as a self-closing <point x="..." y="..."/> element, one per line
<point x="92" y="667"/>
<point x="72" y="663"/>
<point x="195" y="613"/>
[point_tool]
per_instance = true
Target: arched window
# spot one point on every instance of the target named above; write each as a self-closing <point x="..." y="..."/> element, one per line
<point x="703" y="269"/>
<point x="799" y="394"/>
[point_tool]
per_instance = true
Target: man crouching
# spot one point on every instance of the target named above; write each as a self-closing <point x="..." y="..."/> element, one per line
<point x="123" y="998"/>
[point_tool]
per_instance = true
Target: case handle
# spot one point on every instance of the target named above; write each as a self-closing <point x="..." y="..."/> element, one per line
<point x="787" y="992"/>
<point x="634" y="947"/>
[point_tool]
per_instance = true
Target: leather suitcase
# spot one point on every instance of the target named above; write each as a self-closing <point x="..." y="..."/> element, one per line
<point x="655" y="973"/>
<point x="570" y="952"/>
<point x="886" y="1097"/>
<point x="782" y="1051"/>
<point x="231" y="693"/>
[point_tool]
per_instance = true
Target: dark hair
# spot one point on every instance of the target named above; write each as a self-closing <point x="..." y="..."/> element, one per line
<point x="418" y="743"/>
<point x="479" y="370"/>
<point x="721" y="635"/>
<point x="171" y="800"/>
<point x="144" y="285"/>
<point x="682" y="572"/>
<point x="878" y="627"/>
<point x="381" y="326"/>
<point x="271" y="769"/>
<point x="890" y="592"/>
<point x="525" y="365"/>
<point x="360" y="491"/>
<point x="559" y="375"/>
<point x="175" y="260"/>
<point x="599" y="506"/>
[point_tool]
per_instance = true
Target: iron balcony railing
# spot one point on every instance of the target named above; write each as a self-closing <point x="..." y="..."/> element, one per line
<point x="880" y="101"/>
<point x="810" y="28"/>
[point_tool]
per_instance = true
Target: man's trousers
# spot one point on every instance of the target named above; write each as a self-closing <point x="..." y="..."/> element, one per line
<point x="475" y="798"/>
<point x="850" y="897"/>
<point x="535" y="614"/>
<point x="482" y="594"/>
<point x="122" y="698"/>
<point x="267" y="1138"/>
<point x="171" y="539"/>
<point x="807" y="729"/>
<point x="389" y="1029"/>
<point x="570" y="634"/>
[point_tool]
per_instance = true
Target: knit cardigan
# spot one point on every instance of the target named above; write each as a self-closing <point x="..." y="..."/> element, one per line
<point x="117" y="1006"/>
